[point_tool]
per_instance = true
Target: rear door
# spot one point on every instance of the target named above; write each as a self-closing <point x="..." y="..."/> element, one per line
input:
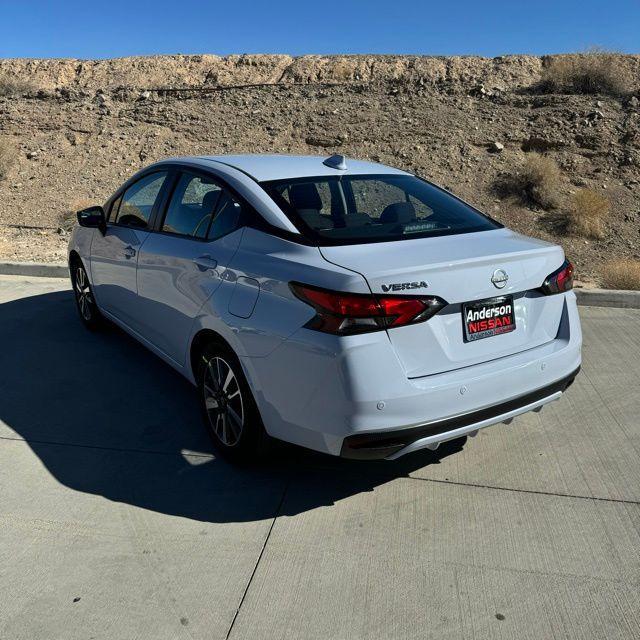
<point x="182" y="263"/>
<point x="114" y="255"/>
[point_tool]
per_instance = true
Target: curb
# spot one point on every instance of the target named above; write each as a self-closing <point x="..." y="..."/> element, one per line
<point x="608" y="298"/>
<point x="586" y="297"/>
<point x="38" y="269"/>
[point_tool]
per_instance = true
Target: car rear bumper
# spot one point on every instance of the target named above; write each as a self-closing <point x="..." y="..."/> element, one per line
<point x="352" y="396"/>
<point x="393" y="444"/>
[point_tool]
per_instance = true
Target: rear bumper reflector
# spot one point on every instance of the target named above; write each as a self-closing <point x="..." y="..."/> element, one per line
<point x="381" y="444"/>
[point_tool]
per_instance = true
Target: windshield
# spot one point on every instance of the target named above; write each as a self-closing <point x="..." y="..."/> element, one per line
<point x="373" y="208"/>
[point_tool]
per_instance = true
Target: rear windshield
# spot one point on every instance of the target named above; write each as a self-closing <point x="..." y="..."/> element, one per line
<point x="373" y="208"/>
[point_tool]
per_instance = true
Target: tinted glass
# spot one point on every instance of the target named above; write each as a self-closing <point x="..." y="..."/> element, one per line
<point x="192" y="206"/>
<point x="138" y="201"/>
<point x="373" y="208"/>
<point x="113" y="212"/>
<point x="226" y="218"/>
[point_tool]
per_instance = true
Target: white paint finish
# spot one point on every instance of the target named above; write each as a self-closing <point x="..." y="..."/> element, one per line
<point x="457" y="269"/>
<point x="244" y="297"/>
<point x="113" y="270"/>
<point x="176" y="276"/>
<point x="264" y="167"/>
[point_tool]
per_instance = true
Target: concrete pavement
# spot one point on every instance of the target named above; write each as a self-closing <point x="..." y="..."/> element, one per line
<point x="117" y="521"/>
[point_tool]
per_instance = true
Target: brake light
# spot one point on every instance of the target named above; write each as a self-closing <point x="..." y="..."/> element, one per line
<point x="558" y="281"/>
<point x="348" y="313"/>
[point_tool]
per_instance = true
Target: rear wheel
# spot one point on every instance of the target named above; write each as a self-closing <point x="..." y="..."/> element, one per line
<point x="228" y="409"/>
<point x="85" y="302"/>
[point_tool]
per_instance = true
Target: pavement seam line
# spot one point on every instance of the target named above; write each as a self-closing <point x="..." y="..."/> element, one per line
<point x="255" y="568"/>
<point x="531" y="491"/>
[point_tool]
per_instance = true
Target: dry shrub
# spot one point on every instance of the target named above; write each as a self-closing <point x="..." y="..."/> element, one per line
<point x="595" y="71"/>
<point x="622" y="274"/>
<point x="588" y="214"/>
<point x="14" y="86"/>
<point x="538" y="181"/>
<point x="68" y="217"/>
<point x="7" y="156"/>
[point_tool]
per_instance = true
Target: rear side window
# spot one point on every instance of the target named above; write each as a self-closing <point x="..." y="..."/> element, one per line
<point x="192" y="206"/>
<point x="201" y="208"/>
<point x="227" y="217"/>
<point x="138" y="200"/>
<point x="373" y="208"/>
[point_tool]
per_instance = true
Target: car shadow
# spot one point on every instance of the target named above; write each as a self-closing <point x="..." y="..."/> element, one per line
<point x="106" y="417"/>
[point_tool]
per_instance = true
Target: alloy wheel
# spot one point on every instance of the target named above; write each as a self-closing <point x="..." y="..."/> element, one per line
<point x="223" y="401"/>
<point x="83" y="293"/>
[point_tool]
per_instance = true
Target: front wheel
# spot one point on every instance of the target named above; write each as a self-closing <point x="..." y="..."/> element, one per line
<point x="229" y="411"/>
<point x="85" y="302"/>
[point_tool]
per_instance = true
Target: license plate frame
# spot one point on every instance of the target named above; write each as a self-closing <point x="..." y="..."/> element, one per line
<point x="487" y="319"/>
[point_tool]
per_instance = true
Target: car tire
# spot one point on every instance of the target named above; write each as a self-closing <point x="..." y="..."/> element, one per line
<point x="85" y="300"/>
<point x="229" y="411"/>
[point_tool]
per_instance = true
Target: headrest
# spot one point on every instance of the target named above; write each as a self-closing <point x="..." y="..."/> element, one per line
<point x="398" y="212"/>
<point x="304" y="195"/>
<point x="210" y="200"/>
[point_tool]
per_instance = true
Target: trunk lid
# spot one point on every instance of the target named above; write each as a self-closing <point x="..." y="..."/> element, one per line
<point x="459" y="269"/>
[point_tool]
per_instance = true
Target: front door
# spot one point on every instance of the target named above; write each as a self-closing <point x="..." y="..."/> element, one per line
<point x="114" y="255"/>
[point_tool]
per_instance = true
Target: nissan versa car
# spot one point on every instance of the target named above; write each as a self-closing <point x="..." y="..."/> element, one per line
<point x="344" y="306"/>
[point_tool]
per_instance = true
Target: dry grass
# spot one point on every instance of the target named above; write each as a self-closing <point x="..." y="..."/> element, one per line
<point x="588" y="214"/>
<point x="593" y="72"/>
<point x="621" y="274"/>
<point x="7" y="156"/>
<point x="68" y="217"/>
<point x="14" y="86"/>
<point x="538" y="181"/>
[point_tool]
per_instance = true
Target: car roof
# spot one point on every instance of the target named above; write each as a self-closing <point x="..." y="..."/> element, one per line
<point x="264" y="167"/>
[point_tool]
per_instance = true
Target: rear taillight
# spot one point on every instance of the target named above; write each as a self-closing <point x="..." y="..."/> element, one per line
<point x="349" y="313"/>
<point x="558" y="281"/>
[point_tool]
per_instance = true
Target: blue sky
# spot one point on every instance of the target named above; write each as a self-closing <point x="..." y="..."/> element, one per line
<point x="96" y="29"/>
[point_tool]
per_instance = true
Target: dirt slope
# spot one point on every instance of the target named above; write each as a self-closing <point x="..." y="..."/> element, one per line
<point x="82" y="127"/>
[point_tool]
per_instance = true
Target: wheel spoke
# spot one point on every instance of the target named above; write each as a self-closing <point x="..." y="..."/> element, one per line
<point x="236" y="429"/>
<point x="225" y="428"/>
<point x="212" y="375"/>
<point x="230" y="377"/>
<point x="219" y="423"/>
<point x="234" y="415"/>
<point x="219" y="378"/>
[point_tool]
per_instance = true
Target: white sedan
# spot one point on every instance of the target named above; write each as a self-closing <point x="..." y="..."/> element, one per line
<point x="344" y="306"/>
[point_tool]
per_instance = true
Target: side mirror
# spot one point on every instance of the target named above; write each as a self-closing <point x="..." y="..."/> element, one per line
<point x="93" y="217"/>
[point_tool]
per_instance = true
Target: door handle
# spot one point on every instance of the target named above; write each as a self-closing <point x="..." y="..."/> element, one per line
<point x="129" y="252"/>
<point x="205" y="263"/>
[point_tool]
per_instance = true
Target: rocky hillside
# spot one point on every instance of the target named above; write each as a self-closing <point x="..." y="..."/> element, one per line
<point x="71" y="131"/>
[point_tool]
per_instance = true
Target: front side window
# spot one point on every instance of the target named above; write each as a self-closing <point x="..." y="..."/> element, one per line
<point x="373" y="208"/>
<point x="138" y="201"/>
